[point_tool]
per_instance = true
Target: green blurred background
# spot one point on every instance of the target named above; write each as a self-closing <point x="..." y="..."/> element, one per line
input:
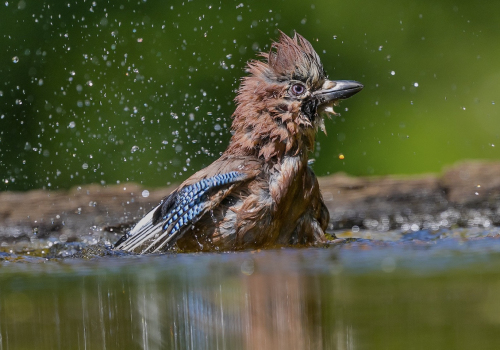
<point x="118" y="91"/>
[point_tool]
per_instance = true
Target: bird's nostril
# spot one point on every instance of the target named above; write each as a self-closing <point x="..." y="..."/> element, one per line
<point x="329" y="84"/>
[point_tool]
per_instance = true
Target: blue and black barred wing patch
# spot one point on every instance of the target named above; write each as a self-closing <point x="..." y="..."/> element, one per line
<point x="166" y="223"/>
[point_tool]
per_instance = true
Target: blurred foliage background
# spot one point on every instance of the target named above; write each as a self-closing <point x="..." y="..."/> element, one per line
<point x="117" y="91"/>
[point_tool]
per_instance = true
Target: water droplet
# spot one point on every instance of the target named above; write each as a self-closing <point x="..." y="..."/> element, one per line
<point x="71" y="125"/>
<point x="85" y="166"/>
<point x="15" y="59"/>
<point x="134" y="149"/>
<point x="145" y="193"/>
<point x="393" y="72"/>
<point x="388" y="264"/>
<point x="248" y="267"/>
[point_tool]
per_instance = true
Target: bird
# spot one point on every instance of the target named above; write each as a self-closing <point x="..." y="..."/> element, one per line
<point x="261" y="192"/>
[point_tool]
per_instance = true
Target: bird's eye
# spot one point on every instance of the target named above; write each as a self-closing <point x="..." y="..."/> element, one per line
<point x="298" y="89"/>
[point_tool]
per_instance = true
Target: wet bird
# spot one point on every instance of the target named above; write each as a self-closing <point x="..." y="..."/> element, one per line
<point x="260" y="192"/>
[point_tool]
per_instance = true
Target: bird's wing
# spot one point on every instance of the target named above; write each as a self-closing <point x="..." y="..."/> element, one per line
<point x="165" y="223"/>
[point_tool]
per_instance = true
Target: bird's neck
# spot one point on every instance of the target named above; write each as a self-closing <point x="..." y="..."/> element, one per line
<point x="260" y="131"/>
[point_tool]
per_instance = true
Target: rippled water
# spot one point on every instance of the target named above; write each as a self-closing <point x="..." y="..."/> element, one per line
<point x="425" y="291"/>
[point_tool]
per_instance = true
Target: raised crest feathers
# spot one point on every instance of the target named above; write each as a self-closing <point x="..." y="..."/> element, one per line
<point x="295" y="58"/>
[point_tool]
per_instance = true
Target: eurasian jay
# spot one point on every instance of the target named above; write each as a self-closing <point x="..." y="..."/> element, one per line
<point x="261" y="191"/>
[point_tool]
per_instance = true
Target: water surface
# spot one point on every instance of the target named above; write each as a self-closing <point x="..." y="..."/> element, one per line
<point x="429" y="291"/>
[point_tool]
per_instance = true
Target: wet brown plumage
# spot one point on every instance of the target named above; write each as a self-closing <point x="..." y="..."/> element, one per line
<point x="260" y="192"/>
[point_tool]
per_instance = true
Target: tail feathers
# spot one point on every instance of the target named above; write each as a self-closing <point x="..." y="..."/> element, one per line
<point x="143" y="231"/>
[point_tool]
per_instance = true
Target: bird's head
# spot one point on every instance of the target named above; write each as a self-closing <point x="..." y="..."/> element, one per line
<point x="281" y="103"/>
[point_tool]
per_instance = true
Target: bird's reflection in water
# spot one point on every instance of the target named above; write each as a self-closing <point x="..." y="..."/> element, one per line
<point x="278" y="299"/>
<point x="257" y="311"/>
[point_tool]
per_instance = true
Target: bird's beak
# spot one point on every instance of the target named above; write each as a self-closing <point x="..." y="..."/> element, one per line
<point x="334" y="90"/>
